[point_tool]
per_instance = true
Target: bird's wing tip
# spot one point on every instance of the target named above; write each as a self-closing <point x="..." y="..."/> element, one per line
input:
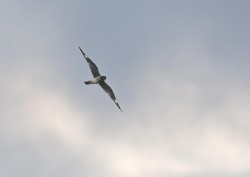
<point x="119" y="107"/>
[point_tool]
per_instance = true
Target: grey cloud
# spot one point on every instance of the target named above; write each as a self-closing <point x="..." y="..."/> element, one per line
<point x="180" y="74"/>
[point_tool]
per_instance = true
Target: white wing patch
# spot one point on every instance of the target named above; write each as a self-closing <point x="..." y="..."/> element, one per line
<point x="116" y="101"/>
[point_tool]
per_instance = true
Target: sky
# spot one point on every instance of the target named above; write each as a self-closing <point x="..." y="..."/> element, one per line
<point x="179" y="70"/>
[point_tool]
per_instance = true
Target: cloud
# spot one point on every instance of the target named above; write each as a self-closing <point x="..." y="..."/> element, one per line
<point x="182" y="114"/>
<point x="171" y="129"/>
<point x="189" y="110"/>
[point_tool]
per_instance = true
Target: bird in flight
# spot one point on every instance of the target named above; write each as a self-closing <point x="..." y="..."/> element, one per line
<point x="99" y="79"/>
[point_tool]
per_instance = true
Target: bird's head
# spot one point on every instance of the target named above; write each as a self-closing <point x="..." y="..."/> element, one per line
<point x="103" y="78"/>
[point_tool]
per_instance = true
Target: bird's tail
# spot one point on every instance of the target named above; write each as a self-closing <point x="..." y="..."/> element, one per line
<point x="88" y="82"/>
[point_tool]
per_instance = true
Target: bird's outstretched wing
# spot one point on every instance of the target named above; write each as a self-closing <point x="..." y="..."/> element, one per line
<point x="92" y="65"/>
<point x="109" y="91"/>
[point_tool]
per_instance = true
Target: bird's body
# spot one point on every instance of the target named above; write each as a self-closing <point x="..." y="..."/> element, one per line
<point x="96" y="80"/>
<point x="99" y="79"/>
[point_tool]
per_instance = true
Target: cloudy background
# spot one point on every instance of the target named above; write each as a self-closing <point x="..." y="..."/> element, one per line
<point x="179" y="69"/>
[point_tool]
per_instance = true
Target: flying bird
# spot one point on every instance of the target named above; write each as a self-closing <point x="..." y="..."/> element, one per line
<point x="99" y="79"/>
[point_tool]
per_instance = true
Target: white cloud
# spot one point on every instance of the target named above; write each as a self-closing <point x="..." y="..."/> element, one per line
<point x="38" y="110"/>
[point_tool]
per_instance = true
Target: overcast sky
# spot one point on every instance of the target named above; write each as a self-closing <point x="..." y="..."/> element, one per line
<point x="179" y="69"/>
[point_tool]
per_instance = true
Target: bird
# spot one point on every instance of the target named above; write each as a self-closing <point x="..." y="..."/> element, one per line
<point x="99" y="79"/>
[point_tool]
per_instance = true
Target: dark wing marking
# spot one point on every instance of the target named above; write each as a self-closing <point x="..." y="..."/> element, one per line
<point x="92" y="65"/>
<point x="110" y="92"/>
